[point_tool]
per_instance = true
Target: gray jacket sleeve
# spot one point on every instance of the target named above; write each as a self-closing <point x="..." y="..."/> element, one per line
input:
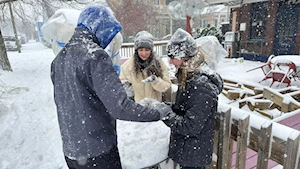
<point x="108" y="88"/>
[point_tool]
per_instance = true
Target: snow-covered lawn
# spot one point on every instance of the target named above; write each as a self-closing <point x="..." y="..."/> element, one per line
<point x="29" y="129"/>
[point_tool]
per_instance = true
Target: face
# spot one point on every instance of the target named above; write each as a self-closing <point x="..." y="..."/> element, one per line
<point x="144" y="53"/>
<point x="176" y="62"/>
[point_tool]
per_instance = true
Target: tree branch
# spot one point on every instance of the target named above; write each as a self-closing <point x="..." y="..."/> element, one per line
<point x="5" y="1"/>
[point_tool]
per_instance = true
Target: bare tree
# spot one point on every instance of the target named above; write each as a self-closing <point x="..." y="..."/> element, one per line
<point x="4" y="62"/>
<point x="26" y="13"/>
<point x="134" y="17"/>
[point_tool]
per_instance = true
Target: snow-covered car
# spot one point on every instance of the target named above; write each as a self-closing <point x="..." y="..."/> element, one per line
<point x="22" y="39"/>
<point x="10" y="43"/>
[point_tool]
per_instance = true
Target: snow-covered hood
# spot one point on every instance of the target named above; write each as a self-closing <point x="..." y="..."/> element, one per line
<point x="100" y="21"/>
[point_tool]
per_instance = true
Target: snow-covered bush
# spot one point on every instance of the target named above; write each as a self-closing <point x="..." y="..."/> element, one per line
<point x="207" y="31"/>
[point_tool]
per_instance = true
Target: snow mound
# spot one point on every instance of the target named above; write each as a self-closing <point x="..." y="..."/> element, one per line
<point x="142" y="144"/>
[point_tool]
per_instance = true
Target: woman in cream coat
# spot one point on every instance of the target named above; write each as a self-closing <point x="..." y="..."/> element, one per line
<point x="145" y="71"/>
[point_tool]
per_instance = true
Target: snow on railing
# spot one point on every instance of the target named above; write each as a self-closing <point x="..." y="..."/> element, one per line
<point x="270" y="139"/>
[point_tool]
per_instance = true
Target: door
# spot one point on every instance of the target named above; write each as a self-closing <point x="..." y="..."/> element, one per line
<point x="286" y="29"/>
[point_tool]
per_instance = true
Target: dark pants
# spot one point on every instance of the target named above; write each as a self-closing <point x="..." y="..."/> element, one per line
<point x="181" y="167"/>
<point x="110" y="160"/>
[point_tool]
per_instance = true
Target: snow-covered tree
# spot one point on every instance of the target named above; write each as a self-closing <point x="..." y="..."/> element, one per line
<point x="208" y="30"/>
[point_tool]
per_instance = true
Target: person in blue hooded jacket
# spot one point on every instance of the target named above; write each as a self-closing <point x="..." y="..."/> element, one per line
<point x="89" y="95"/>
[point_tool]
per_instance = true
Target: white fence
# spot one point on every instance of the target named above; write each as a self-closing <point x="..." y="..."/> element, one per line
<point x="127" y="49"/>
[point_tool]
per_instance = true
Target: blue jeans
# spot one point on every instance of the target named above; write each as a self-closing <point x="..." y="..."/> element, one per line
<point x="182" y="167"/>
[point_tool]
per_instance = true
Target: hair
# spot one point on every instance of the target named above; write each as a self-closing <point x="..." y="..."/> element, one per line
<point x="151" y="65"/>
<point x="188" y="68"/>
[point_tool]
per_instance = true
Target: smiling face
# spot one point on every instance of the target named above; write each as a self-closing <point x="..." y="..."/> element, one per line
<point x="144" y="53"/>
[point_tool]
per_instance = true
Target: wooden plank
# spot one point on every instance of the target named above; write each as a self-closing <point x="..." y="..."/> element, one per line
<point x="264" y="145"/>
<point x="223" y="137"/>
<point x="277" y="98"/>
<point x="229" y="160"/>
<point x="242" y="137"/>
<point x="233" y="94"/>
<point x="291" y="121"/>
<point x="277" y="148"/>
<point x="265" y="114"/>
<point x="272" y="164"/>
<point x="296" y="127"/>
<point x="292" y="151"/>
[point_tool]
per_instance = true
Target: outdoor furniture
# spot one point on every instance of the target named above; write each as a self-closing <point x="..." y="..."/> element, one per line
<point x="282" y="69"/>
<point x="265" y="67"/>
<point x="287" y="59"/>
<point x="282" y="72"/>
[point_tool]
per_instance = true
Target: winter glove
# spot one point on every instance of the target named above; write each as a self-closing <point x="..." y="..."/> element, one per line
<point x="150" y="79"/>
<point x="129" y="89"/>
<point x="165" y="111"/>
<point x="148" y="102"/>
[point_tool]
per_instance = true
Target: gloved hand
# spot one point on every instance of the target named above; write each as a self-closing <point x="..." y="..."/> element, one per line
<point x="172" y="118"/>
<point x="150" y="79"/>
<point x="129" y="89"/>
<point x="165" y="110"/>
<point x="148" y="102"/>
<point x="166" y="113"/>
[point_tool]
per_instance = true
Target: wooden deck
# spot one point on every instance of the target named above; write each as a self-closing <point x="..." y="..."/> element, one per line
<point x="292" y="122"/>
<point x="251" y="157"/>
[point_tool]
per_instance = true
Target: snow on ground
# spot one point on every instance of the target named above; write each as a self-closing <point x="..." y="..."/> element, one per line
<point x="29" y="130"/>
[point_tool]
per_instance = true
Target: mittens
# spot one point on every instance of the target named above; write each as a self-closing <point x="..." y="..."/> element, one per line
<point x="150" y="79"/>
<point x="129" y="89"/>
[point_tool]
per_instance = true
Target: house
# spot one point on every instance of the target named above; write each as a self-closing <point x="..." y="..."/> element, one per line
<point x="212" y="15"/>
<point x="265" y="27"/>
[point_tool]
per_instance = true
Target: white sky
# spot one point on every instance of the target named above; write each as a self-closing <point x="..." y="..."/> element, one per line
<point x="29" y="129"/>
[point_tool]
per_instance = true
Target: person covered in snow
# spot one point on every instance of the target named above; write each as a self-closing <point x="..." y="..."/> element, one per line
<point x="192" y="120"/>
<point x="89" y="95"/>
<point x="145" y="75"/>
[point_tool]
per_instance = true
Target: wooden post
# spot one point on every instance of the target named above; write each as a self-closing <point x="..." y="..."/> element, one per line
<point x="292" y="151"/>
<point x="242" y="138"/>
<point x="188" y="25"/>
<point x="224" y="135"/>
<point x="264" y="145"/>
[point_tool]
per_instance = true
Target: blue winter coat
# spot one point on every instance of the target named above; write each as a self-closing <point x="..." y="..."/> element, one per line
<point x="192" y="134"/>
<point x="89" y="98"/>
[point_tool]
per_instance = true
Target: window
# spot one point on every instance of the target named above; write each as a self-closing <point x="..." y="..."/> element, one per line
<point x="168" y="1"/>
<point x="156" y="2"/>
<point x="258" y="21"/>
<point x="216" y="23"/>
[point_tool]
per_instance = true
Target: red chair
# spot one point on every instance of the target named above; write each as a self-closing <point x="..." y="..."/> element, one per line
<point x="265" y="67"/>
<point x="280" y="74"/>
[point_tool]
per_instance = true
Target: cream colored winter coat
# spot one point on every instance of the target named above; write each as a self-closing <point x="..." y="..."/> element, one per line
<point x="145" y="90"/>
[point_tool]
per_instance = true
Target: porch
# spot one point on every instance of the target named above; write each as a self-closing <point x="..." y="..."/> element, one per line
<point x="244" y="140"/>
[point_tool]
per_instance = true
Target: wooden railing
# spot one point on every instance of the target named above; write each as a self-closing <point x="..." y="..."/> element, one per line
<point x="270" y="139"/>
<point x="127" y="49"/>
